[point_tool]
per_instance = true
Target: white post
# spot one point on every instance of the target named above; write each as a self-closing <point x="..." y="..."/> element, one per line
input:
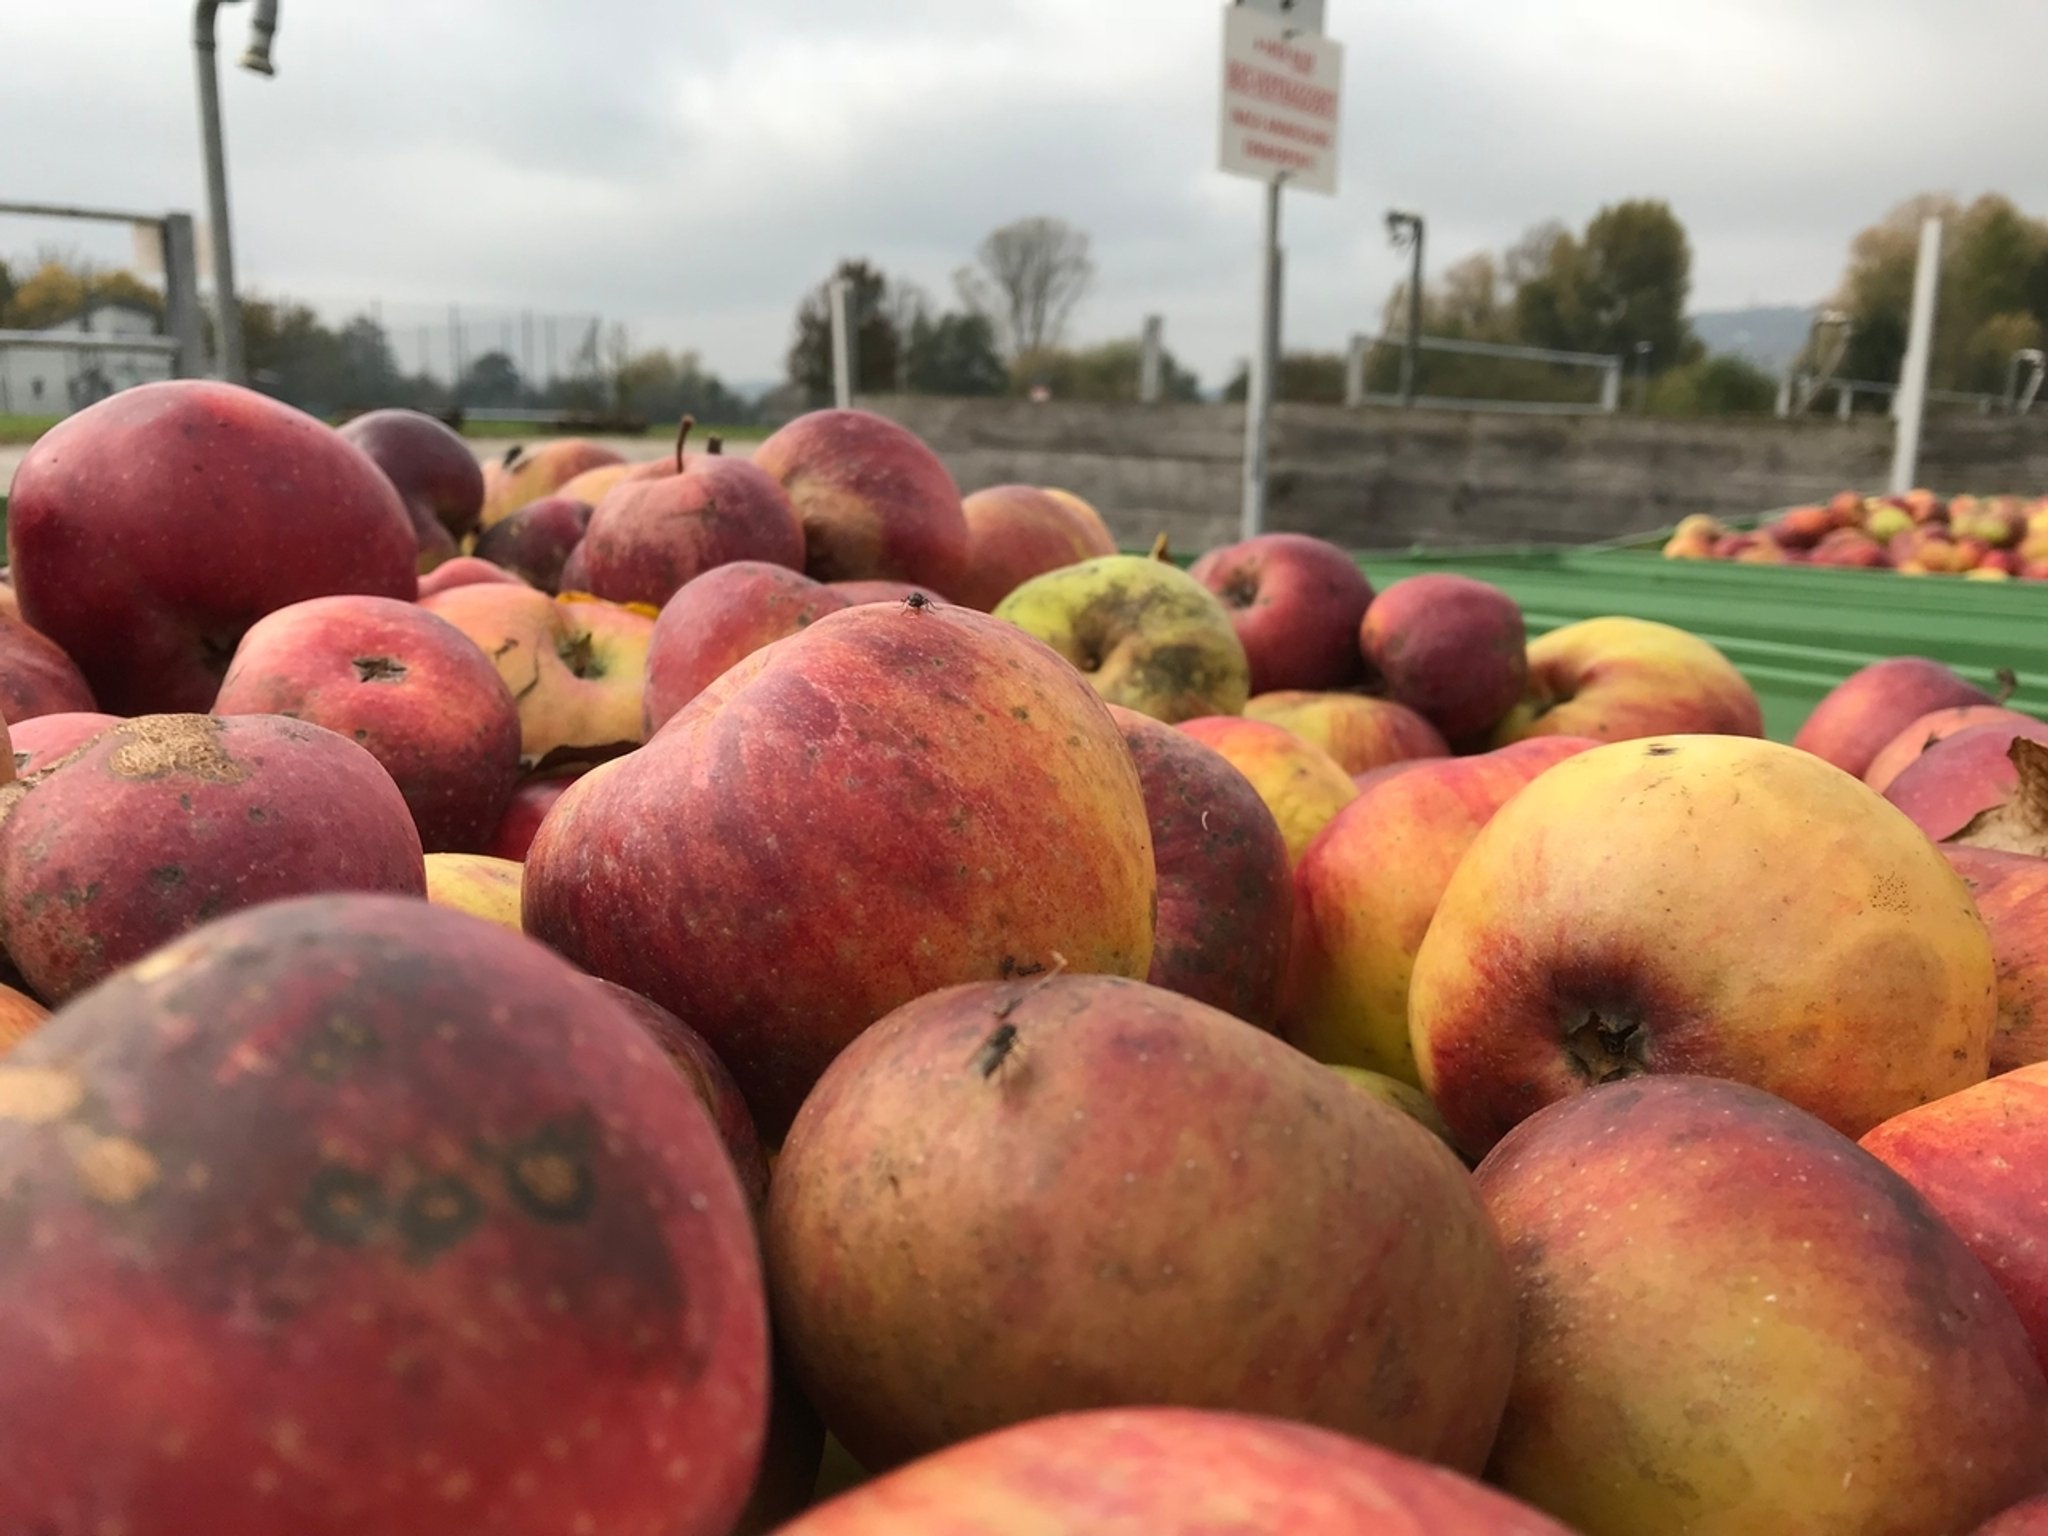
<point x="1610" y="386"/>
<point x="1354" y="371"/>
<point x="1909" y="405"/>
<point x="1258" y="396"/>
<point x="1151" y="360"/>
<point x="842" y="346"/>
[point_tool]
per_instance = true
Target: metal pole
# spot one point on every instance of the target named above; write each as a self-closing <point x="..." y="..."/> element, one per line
<point x="1411" y="356"/>
<point x="1354" y="370"/>
<point x="1150" y="360"/>
<point x="455" y="359"/>
<point x="842" y="345"/>
<point x="526" y="348"/>
<point x="1258" y="395"/>
<point x="181" y="295"/>
<point x="1910" y="403"/>
<point x="228" y="315"/>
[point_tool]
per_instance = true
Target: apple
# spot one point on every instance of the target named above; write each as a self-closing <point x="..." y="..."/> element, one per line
<point x="1359" y="732"/>
<point x="1302" y="785"/>
<point x="1964" y="777"/>
<point x="648" y="537"/>
<point x="532" y="799"/>
<point x="1169" y="1472"/>
<point x="463" y="571"/>
<point x="893" y="800"/>
<point x="576" y="666"/>
<point x="1925" y="506"/>
<point x="527" y="474"/>
<point x="1615" y="679"/>
<point x="1104" y="1132"/>
<point x="20" y="1016"/>
<point x="36" y="744"/>
<point x="1801" y="527"/>
<point x="1368" y="885"/>
<point x="2005" y="562"/>
<point x="1657" y="906"/>
<point x="1849" y="549"/>
<point x="1887" y="522"/>
<point x="1863" y="712"/>
<point x="476" y="883"/>
<point x="1406" y="1097"/>
<point x="1694" y="538"/>
<point x="1771" y="1321"/>
<point x="1845" y="509"/>
<point x="2011" y="893"/>
<point x="881" y="591"/>
<point x="872" y="498"/>
<point x="2029" y="1517"/>
<point x="1225" y="894"/>
<point x="1936" y="725"/>
<point x="149" y="530"/>
<point x="1764" y="550"/>
<point x="347" y="1210"/>
<point x="1450" y="648"/>
<point x="534" y="543"/>
<point x="575" y="577"/>
<point x="433" y="471"/>
<point x="719" y="619"/>
<point x="590" y="486"/>
<point x="1144" y="633"/>
<point x="408" y="686"/>
<point x="1297" y="603"/>
<point x="166" y="821"/>
<point x="1016" y="532"/>
<point x="36" y="677"/>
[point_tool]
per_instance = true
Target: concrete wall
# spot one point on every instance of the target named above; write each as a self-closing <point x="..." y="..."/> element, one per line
<point x="1383" y="478"/>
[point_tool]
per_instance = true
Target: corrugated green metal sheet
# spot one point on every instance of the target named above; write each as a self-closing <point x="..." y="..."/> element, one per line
<point x="1794" y="631"/>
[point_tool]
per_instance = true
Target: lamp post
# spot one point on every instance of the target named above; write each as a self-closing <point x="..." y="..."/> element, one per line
<point x="1406" y="230"/>
<point x="256" y="59"/>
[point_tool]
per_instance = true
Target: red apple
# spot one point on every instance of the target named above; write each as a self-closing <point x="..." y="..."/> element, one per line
<point x="465" y="571"/>
<point x="1616" y="679"/>
<point x="1962" y="777"/>
<point x="2011" y="892"/>
<point x="433" y="471"/>
<point x="355" y="1216"/>
<point x="882" y="591"/>
<point x="150" y="530"/>
<point x="409" y="687"/>
<point x="873" y="499"/>
<point x="36" y="677"/>
<point x="1937" y="725"/>
<point x="20" y="1016"/>
<point x="723" y="616"/>
<point x="1105" y="1132"/>
<point x="1850" y="549"/>
<point x="1359" y="732"/>
<point x="527" y="474"/>
<point x="535" y="542"/>
<point x="1169" y="1472"/>
<point x="1867" y="709"/>
<point x="38" y="743"/>
<point x="1016" y="532"/>
<point x="1225" y="894"/>
<point x="1801" y="527"/>
<point x="532" y="799"/>
<point x="648" y="537"/>
<point x="1297" y="603"/>
<point x="165" y="821"/>
<point x="893" y="800"/>
<point x="1451" y="648"/>
<point x="575" y="577"/>
<point x="1772" y="1322"/>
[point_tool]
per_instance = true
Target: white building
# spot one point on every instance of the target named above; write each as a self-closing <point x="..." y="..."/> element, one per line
<point x="42" y="380"/>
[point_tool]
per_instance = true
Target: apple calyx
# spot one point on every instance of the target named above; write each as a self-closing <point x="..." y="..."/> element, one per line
<point x="379" y="669"/>
<point x="579" y="655"/>
<point x="1608" y="1050"/>
<point x="2020" y="824"/>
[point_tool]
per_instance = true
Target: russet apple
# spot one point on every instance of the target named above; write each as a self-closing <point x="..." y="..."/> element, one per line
<point x="890" y="801"/>
<point x="1615" y="679"/>
<point x="36" y="744"/>
<point x="1359" y="732"/>
<point x="1449" y="647"/>
<point x="1863" y="712"/>
<point x="1143" y="632"/>
<point x="527" y="474"/>
<point x="872" y="498"/>
<point x="720" y="618"/>
<point x="403" y="683"/>
<point x="433" y="471"/>
<point x="576" y="667"/>
<point x="1302" y="785"/>
<point x="1296" y="602"/>
<point x="1654" y="906"/>
<point x="1734" y="1321"/>
<point x="1016" y="532"/>
<point x="941" y="1144"/>
<point x="149" y="530"/>
<point x="1225" y="893"/>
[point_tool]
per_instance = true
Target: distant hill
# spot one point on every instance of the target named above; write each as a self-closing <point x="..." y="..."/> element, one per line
<point x="1770" y="336"/>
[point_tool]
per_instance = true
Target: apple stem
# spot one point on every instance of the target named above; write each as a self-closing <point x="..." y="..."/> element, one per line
<point x="1159" y="547"/>
<point x="714" y="445"/>
<point x="2008" y="683"/>
<point x="682" y="434"/>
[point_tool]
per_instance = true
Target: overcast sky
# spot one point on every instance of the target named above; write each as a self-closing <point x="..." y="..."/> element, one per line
<point x="691" y="168"/>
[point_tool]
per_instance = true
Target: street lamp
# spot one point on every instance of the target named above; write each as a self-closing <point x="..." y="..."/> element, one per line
<point x="1405" y="231"/>
<point x="256" y="59"/>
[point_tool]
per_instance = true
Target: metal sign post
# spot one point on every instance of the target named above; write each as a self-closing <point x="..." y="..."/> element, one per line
<point x="1910" y="403"/>
<point x="1279" y="123"/>
<point x="842" y="343"/>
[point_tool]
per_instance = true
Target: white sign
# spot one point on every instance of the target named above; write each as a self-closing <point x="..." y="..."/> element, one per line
<point x="1280" y="98"/>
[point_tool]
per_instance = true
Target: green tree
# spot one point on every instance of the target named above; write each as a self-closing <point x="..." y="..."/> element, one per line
<point x="492" y="379"/>
<point x="953" y="354"/>
<point x="1722" y="384"/>
<point x="875" y="338"/>
<point x="1624" y="282"/>
<point x="1313" y="377"/>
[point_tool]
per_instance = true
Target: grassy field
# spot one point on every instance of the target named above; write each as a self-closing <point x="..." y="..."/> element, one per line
<point x="25" y="429"/>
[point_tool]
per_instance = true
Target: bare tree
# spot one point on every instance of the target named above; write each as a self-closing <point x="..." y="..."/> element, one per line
<point x="1032" y="274"/>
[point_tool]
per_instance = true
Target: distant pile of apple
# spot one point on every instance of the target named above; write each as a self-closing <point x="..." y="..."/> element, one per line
<point x="757" y="993"/>
<point x="1986" y="538"/>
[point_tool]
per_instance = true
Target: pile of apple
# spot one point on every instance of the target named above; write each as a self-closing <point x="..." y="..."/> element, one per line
<point x="760" y="994"/>
<point x="1986" y="538"/>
